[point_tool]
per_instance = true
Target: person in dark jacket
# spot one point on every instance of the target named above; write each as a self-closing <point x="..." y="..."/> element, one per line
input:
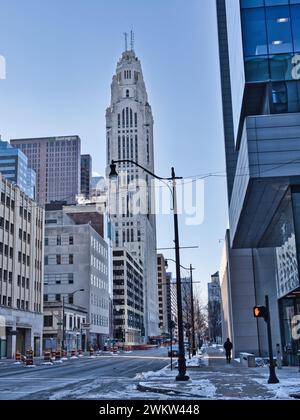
<point x="228" y="346"/>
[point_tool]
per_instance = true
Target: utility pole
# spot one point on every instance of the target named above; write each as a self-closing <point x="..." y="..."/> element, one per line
<point x="181" y="359"/>
<point x="193" y="313"/>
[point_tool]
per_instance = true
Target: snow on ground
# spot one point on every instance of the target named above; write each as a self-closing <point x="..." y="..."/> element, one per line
<point x="289" y="384"/>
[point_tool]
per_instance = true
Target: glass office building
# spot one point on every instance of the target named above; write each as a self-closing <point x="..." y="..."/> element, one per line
<point x="14" y="167"/>
<point x="259" y="44"/>
<point x="271" y="43"/>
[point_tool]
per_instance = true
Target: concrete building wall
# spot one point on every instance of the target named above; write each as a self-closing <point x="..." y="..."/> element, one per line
<point x="164" y="299"/>
<point x="84" y="256"/>
<point x="21" y="270"/>
<point x="128" y="298"/>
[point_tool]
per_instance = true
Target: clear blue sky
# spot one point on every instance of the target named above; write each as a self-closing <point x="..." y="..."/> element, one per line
<point x="61" y="55"/>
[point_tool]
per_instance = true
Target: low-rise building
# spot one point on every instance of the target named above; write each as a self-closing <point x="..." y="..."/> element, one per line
<point x="74" y="335"/>
<point x="21" y="271"/>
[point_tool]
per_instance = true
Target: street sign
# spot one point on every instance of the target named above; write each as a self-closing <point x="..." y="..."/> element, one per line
<point x="85" y="326"/>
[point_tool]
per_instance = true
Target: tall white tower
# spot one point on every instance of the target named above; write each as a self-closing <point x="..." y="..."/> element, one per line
<point x="129" y="123"/>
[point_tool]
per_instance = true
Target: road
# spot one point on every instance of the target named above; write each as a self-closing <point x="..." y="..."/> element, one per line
<point x="105" y="377"/>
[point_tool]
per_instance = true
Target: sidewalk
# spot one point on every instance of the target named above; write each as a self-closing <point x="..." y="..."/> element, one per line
<point x="214" y="379"/>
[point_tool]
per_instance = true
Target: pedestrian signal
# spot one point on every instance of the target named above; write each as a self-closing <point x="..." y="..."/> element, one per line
<point x="261" y="312"/>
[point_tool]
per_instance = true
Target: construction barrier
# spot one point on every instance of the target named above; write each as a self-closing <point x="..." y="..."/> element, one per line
<point x="47" y="358"/>
<point x="73" y="354"/>
<point x="80" y="353"/>
<point x="58" y="356"/>
<point x="18" y="358"/>
<point x="64" y="355"/>
<point x="29" y="358"/>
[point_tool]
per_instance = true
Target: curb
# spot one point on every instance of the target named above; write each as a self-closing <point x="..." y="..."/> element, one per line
<point x="146" y="388"/>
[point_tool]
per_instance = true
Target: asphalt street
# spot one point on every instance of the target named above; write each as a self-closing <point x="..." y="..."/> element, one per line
<point x="106" y="376"/>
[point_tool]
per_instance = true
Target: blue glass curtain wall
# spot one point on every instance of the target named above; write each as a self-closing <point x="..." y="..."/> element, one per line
<point x="271" y="39"/>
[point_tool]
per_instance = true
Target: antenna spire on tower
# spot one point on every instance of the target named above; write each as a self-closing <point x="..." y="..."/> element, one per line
<point x="126" y="41"/>
<point x="132" y="40"/>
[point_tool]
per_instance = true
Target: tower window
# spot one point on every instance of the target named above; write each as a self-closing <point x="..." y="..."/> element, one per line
<point x="127" y="93"/>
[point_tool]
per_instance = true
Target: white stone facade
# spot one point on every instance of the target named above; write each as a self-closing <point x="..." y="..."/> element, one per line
<point x="129" y="123"/>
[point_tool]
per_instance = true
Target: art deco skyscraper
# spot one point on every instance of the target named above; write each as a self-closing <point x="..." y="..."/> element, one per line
<point x="130" y="136"/>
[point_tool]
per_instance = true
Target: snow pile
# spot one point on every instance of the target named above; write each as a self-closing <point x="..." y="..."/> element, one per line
<point x="289" y="384"/>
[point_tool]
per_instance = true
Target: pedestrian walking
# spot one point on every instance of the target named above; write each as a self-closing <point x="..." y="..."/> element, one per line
<point x="228" y="346"/>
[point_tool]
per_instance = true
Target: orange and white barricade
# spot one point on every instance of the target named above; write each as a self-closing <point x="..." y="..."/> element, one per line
<point x="64" y="354"/>
<point x="47" y="358"/>
<point x="18" y="358"/>
<point x="74" y="354"/>
<point x="58" y="356"/>
<point x="29" y="359"/>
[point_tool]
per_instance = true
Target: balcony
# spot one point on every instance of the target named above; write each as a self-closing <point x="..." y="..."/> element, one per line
<point x="268" y="163"/>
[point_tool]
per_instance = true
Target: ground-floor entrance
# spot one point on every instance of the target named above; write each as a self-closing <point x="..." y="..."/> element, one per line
<point x="289" y="308"/>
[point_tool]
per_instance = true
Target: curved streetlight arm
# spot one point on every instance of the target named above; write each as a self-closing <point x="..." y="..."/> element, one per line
<point x="184" y="268"/>
<point x="114" y="162"/>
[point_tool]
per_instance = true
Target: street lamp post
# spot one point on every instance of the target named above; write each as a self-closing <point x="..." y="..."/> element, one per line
<point x="63" y="317"/>
<point x="181" y="359"/>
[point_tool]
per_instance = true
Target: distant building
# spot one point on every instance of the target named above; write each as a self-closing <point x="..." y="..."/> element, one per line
<point x="163" y="294"/>
<point x="98" y="189"/>
<point x="77" y="257"/>
<point x="172" y="304"/>
<point x="21" y="271"/>
<point x="128" y="298"/>
<point x="75" y="326"/>
<point x="86" y="175"/>
<point x="186" y="300"/>
<point x="57" y="163"/>
<point x="14" y="167"/>
<point x="214" y="309"/>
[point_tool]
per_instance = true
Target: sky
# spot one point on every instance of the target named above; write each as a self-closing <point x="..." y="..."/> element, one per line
<point x="61" y="56"/>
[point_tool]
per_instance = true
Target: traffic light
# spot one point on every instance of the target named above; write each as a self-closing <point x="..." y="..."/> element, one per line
<point x="261" y="312"/>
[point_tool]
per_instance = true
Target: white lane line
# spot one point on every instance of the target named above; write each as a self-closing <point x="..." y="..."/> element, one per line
<point x="42" y="379"/>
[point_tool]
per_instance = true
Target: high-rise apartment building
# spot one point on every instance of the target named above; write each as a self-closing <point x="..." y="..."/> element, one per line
<point x="57" y="163"/>
<point x="129" y="124"/>
<point x="259" y="56"/>
<point x="21" y="271"/>
<point x="14" y="167"/>
<point x="128" y="298"/>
